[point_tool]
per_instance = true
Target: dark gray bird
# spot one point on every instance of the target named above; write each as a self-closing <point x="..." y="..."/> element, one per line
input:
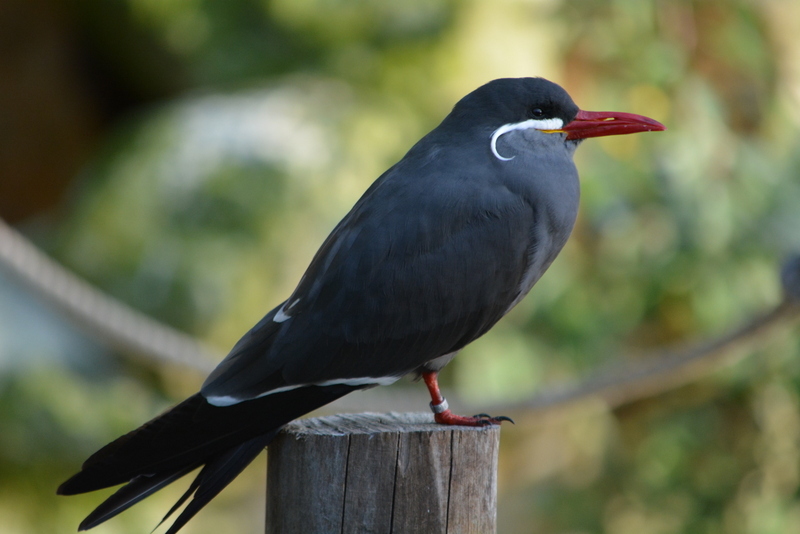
<point x="437" y="250"/>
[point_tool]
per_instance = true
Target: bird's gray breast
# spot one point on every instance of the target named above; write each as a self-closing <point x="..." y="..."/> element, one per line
<point x="543" y="173"/>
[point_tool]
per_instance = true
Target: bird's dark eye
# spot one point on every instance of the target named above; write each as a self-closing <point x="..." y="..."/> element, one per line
<point x="537" y="113"/>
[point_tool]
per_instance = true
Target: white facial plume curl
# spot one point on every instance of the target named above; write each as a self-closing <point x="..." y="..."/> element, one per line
<point x="539" y="124"/>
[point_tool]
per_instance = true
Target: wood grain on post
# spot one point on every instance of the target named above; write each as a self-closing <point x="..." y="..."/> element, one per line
<point x="381" y="474"/>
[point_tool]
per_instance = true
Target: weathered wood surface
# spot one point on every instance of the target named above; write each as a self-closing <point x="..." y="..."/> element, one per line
<point x="381" y="474"/>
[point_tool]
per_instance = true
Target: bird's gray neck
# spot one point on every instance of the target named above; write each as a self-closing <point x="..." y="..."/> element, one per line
<point x="543" y="173"/>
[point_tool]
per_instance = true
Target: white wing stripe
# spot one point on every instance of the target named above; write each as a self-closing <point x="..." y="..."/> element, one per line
<point x="230" y="400"/>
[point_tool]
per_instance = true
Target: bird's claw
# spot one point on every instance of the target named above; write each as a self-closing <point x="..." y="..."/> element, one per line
<point x="449" y="418"/>
<point x="492" y="420"/>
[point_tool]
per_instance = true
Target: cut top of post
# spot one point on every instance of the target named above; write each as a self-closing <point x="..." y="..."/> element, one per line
<point x="382" y="473"/>
<point x="375" y="423"/>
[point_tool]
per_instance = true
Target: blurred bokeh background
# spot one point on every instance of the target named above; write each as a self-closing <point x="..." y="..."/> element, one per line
<point x="187" y="157"/>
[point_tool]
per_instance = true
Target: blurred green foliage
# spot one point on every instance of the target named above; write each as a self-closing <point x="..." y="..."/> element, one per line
<point x="204" y="210"/>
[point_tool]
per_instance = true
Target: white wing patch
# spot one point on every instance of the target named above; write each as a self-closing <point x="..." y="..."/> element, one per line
<point x="281" y="315"/>
<point x="539" y="124"/>
<point x="230" y="400"/>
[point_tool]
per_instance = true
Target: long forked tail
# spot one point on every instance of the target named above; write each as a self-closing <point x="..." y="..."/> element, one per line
<point x="192" y="434"/>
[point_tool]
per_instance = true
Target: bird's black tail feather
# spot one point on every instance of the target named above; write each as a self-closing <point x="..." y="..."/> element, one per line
<point x="130" y="494"/>
<point x="217" y="474"/>
<point x="222" y="439"/>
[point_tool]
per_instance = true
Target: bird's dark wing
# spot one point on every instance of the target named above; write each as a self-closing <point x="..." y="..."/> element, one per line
<point x="414" y="271"/>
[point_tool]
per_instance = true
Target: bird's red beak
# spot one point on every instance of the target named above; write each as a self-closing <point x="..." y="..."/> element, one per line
<point x="601" y="123"/>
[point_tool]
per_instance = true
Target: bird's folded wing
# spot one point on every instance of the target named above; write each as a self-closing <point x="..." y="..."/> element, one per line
<point x="407" y="276"/>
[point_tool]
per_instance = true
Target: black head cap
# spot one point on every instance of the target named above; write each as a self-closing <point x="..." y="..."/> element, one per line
<point x="511" y="100"/>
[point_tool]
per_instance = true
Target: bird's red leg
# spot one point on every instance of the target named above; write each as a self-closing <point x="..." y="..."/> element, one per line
<point x="442" y="413"/>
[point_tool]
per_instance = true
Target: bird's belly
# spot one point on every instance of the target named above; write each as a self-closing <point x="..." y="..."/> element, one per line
<point x="438" y="364"/>
<point x="539" y="260"/>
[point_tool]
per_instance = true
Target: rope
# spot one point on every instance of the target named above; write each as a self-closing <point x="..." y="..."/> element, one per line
<point x="116" y="323"/>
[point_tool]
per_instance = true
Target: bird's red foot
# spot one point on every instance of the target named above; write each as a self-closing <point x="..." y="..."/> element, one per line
<point x="442" y="413"/>
<point x="449" y="418"/>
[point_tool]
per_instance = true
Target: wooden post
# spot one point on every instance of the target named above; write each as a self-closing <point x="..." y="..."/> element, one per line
<point x="382" y="473"/>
